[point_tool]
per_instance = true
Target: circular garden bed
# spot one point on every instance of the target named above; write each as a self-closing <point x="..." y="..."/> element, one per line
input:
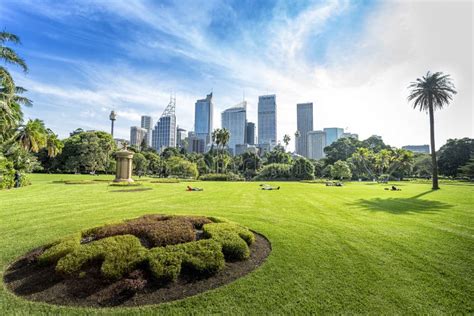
<point x="147" y="260"/>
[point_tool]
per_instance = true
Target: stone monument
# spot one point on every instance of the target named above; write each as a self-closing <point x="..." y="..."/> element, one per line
<point x="124" y="165"/>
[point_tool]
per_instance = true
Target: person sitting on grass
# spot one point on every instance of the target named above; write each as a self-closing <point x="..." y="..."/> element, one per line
<point x="393" y="188"/>
<point x="193" y="189"/>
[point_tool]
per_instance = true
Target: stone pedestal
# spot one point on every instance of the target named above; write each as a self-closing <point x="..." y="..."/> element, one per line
<point x="124" y="166"/>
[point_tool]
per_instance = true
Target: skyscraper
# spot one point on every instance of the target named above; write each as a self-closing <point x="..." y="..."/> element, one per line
<point x="234" y="120"/>
<point x="147" y="123"/>
<point x="333" y="134"/>
<point x="304" y="122"/>
<point x="316" y="144"/>
<point x="250" y="133"/>
<point x="137" y="134"/>
<point x="203" y="113"/>
<point x="180" y="136"/>
<point x="164" y="134"/>
<point x="267" y="120"/>
<point x="350" y="135"/>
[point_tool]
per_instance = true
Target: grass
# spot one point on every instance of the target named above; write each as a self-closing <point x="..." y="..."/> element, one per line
<point x="351" y="249"/>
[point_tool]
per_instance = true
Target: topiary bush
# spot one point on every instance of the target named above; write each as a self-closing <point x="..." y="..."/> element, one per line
<point x="164" y="245"/>
<point x="221" y="177"/>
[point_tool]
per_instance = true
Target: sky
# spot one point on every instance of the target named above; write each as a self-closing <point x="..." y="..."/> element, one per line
<point x="352" y="59"/>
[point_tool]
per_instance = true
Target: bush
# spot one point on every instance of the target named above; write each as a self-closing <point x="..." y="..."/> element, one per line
<point x="59" y="249"/>
<point x="120" y="255"/>
<point x="275" y="171"/>
<point x="181" y="168"/>
<point x="164" y="265"/>
<point x="233" y="238"/>
<point x="165" y="180"/>
<point x="203" y="257"/>
<point x="303" y="169"/>
<point x="221" y="177"/>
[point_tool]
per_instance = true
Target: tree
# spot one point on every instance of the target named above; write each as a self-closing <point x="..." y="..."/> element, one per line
<point x="140" y="164"/>
<point x="454" y="154"/>
<point x="341" y="149"/>
<point x="179" y="167"/>
<point x="32" y="136"/>
<point x="302" y="169"/>
<point x="286" y="140"/>
<point x="155" y="163"/>
<point x="318" y="168"/>
<point x="468" y="169"/>
<point x="277" y="155"/>
<point x="433" y="91"/>
<point x="422" y="166"/>
<point x="54" y="145"/>
<point x="341" y="170"/>
<point x="374" y="143"/>
<point x="169" y="152"/>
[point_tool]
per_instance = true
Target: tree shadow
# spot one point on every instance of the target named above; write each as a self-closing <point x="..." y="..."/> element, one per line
<point x="400" y="205"/>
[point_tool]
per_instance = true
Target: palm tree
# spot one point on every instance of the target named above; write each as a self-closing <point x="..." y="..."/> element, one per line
<point x="286" y="140"/>
<point x="32" y="136"/>
<point x="223" y="136"/>
<point x="53" y="144"/>
<point x="433" y="91"/>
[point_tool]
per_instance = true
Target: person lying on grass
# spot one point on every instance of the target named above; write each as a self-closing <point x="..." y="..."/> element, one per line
<point x="193" y="189"/>
<point x="269" y="188"/>
<point x="393" y="188"/>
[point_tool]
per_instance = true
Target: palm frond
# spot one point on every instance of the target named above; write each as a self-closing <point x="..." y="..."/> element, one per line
<point x="10" y="56"/>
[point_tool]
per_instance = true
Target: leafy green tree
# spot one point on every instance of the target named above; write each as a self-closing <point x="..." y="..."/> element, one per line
<point x="422" y="166"/>
<point x="140" y="164"/>
<point x="433" y="91"/>
<point x="54" y="145"/>
<point x="277" y="155"/>
<point x="249" y="165"/>
<point x="341" y="170"/>
<point x="155" y="163"/>
<point x="468" y="169"/>
<point x="374" y="143"/>
<point x="169" y="152"/>
<point x="286" y="140"/>
<point x="318" y="168"/>
<point x="454" y="154"/>
<point x="275" y="171"/>
<point x="32" y="136"/>
<point x="179" y="167"/>
<point x="341" y="149"/>
<point x="302" y="169"/>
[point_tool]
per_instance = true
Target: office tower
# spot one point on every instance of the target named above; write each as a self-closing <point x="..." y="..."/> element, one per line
<point x="267" y="120"/>
<point x="203" y="113"/>
<point x="304" y="122"/>
<point x="164" y="134"/>
<point x="333" y="134"/>
<point x="234" y="120"/>
<point x="250" y="133"/>
<point x="418" y="148"/>
<point x="350" y="135"/>
<point x="180" y="137"/>
<point x="137" y="134"/>
<point x="316" y="144"/>
<point x="195" y="144"/>
<point x="147" y="123"/>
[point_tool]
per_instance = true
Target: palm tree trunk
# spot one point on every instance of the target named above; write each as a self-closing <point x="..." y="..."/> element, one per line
<point x="433" y="148"/>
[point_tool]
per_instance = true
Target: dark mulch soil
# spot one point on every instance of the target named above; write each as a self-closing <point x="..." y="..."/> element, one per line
<point x="39" y="283"/>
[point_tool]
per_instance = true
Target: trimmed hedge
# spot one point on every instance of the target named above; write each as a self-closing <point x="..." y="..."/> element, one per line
<point x="59" y="249"/>
<point x="221" y="177"/>
<point x="120" y="255"/>
<point x="125" y="184"/>
<point x="233" y="238"/>
<point x="165" y="180"/>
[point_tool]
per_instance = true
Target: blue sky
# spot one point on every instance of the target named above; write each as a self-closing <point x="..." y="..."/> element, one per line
<point x="353" y="59"/>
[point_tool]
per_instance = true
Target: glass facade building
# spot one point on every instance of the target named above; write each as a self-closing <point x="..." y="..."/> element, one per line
<point x="316" y="144"/>
<point x="147" y="124"/>
<point x="267" y="120"/>
<point x="333" y="134"/>
<point x="250" y="133"/>
<point x="137" y="134"/>
<point x="304" y="122"/>
<point x="164" y="134"/>
<point x="203" y="114"/>
<point x="234" y="120"/>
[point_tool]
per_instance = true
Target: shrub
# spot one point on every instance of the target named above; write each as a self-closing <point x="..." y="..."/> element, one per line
<point x="164" y="265"/>
<point x="221" y="177"/>
<point x="181" y="168"/>
<point x="275" y="171"/>
<point x="302" y="169"/>
<point x="59" y="249"/>
<point x="165" y="180"/>
<point x="203" y="257"/>
<point x="233" y="238"/>
<point x="125" y="184"/>
<point x="120" y="255"/>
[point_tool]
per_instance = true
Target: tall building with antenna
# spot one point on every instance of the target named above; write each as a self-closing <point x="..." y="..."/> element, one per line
<point x="234" y="120"/>
<point x="164" y="133"/>
<point x="203" y="118"/>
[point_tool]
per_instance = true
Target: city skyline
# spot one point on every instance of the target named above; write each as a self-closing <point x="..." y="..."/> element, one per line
<point x="83" y="65"/>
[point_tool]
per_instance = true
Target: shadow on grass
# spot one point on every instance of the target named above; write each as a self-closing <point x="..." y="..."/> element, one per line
<point x="409" y="205"/>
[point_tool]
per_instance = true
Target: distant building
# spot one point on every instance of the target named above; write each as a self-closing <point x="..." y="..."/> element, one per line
<point x="180" y="137"/>
<point x="316" y="144"/>
<point x="195" y="144"/>
<point x="203" y="114"/>
<point x="350" y="135"/>
<point x="333" y="134"/>
<point x="242" y="148"/>
<point x="267" y="120"/>
<point x="137" y="134"/>
<point x="250" y="133"/>
<point x="164" y="134"/>
<point x="304" y="122"/>
<point x="234" y="120"/>
<point x="425" y="149"/>
<point x="147" y="123"/>
<point x="120" y="141"/>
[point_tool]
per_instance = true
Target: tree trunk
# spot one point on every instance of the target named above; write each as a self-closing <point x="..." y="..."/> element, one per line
<point x="433" y="148"/>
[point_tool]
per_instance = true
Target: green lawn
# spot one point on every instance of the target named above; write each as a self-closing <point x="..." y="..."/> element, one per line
<point x="351" y="249"/>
